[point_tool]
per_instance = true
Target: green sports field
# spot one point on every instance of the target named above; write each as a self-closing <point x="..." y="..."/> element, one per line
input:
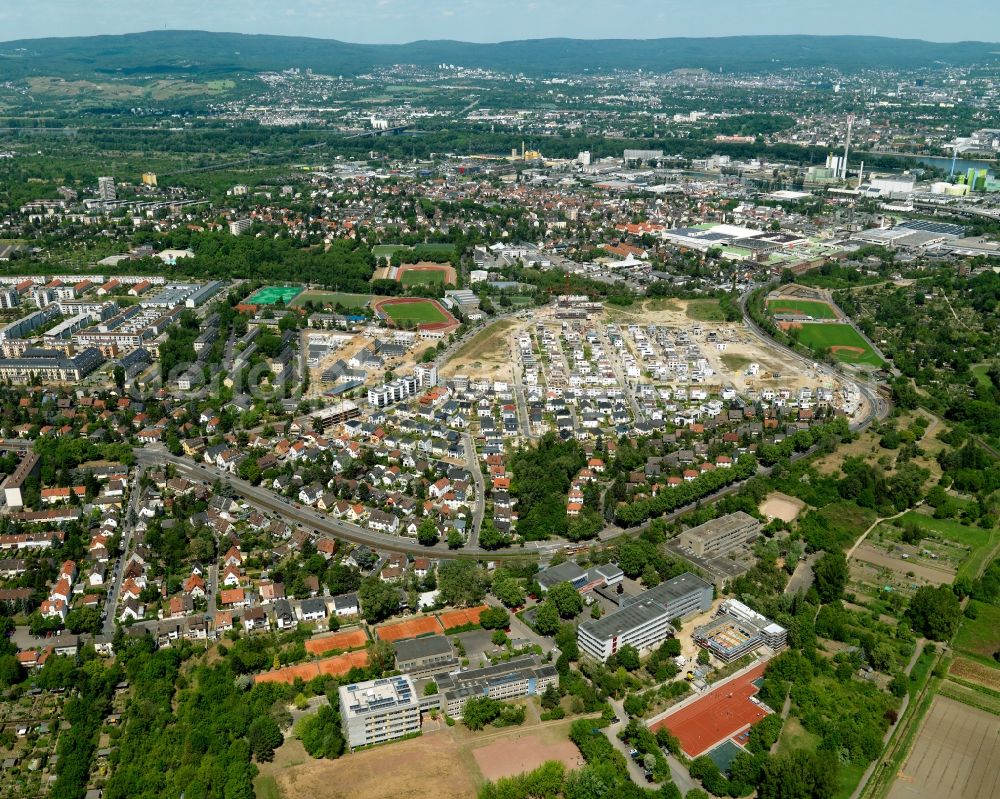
<point x="419" y="312"/>
<point x="422" y="277"/>
<point x="843" y="340"/>
<point x="333" y="298"/>
<point x="269" y="295"/>
<point x="817" y="310"/>
<point x="387" y="250"/>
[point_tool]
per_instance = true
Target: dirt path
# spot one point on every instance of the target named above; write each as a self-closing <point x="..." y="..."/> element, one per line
<point x="876" y="523"/>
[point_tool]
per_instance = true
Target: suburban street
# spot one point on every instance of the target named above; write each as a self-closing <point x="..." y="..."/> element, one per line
<point x="118" y="573"/>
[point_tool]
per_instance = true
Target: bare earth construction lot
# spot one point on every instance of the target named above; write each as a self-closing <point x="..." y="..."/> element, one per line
<point x="957" y="754"/>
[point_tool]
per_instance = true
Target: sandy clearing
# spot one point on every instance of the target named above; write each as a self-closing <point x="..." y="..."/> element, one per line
<point x="781" y="506"/>
<point x="512" y="756"/>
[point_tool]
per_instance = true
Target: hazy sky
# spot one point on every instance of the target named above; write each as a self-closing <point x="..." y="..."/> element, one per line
<point x="494" y="20"/>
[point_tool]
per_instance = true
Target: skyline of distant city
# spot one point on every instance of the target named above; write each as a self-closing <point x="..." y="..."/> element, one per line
<point x="398" y="21"/>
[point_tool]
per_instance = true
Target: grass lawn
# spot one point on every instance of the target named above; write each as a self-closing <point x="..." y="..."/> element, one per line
<point x="333" y="298"/>
<point x="266" y="787"/>
<point x="423" y="277"/>
<point x="848" y="777"/>
<point x="980" y="637"/>
<point x="834" y="336"/>
<point x="419" y="312"/>
<point x="795" y="736"/>
<point x="735" y="362"/>
<point x="817" y="310"/>
<point x="705" y="311"/>
<point x="979" y="372"/>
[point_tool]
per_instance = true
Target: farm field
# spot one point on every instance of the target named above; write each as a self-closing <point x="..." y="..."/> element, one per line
<point x="841" y="339"/>
<point x="333" y="298"/>
<point x="956" y="753"/>
<point x="980" y="637"/>
<point x="987" y="676"/>
<point x="813" y="308"/>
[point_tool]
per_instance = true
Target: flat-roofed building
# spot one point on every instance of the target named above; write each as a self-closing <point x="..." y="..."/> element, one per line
<point x="14" y="484"/>
<point x="643" y="621"/>
<point x="722" y="535"/>
<point x="737" y="630"/>
<point x="377" y="711"/>
<point x="422" y="656"/>
<point x="522" y="676"/>
<point x="581" y="579"/>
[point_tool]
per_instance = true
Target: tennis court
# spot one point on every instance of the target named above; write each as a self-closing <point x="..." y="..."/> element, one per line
<point x="270" y="295"/>
<point x="343" y="642"/>
<point x="335" y="666"/>
<point x="720" y="714"/>
<point x="411" y="628"/>
<point x="459" y="618"/>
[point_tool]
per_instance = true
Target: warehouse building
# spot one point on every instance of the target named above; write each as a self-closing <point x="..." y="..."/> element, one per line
<point x="643" y="621"/>
<point x="378" y="711"/>
<point x="722" y="535"/>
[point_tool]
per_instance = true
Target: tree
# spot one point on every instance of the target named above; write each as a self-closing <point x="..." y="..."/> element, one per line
<point x="381" y="656"/>
<point x="480" y="711"/>
<point x="546" y="618"/>
<point x="455" y="540"/>
<point x="320" y="733"/>
<point x="831" y="573"/>
<point x="427" y="533"/>
<point x="462" y="583"/>
<point x="378" y="599"/>
<point x="550" y="697"/>
<point x="703" y="657"/>
<point x="494" y="619"/>
<point x="934" y="612"/>
<point x="342" y="579"/>
<point x="499" y="638"/>
<point x="490" y="537"/>
<point x="800" y="774"/>
<point x="509" y="591"/>
<point x="628" y="657"/>
<point x="264" y="737"/>
<point x="566" y="598"/>
<point x="431" y="688"/>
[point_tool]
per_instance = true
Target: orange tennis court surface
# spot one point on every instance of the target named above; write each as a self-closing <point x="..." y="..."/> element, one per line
<point x="457" y="618"/>
<point x="345" y="641"/>
<point x="718" y="715"/>
<point x="334" y="666"/>
<point x="411" y="628"/>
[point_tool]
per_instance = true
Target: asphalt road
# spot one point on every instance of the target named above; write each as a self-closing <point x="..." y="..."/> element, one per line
<point x="322" y="523"/>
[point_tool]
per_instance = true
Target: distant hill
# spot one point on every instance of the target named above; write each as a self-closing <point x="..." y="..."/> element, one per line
<point x="166" y="53"/>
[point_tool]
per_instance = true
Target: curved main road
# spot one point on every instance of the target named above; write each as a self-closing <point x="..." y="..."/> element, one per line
<point x="323" y="523"/>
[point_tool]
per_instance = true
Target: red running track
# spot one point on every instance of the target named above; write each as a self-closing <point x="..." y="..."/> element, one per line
<point x="718" y="715"/>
